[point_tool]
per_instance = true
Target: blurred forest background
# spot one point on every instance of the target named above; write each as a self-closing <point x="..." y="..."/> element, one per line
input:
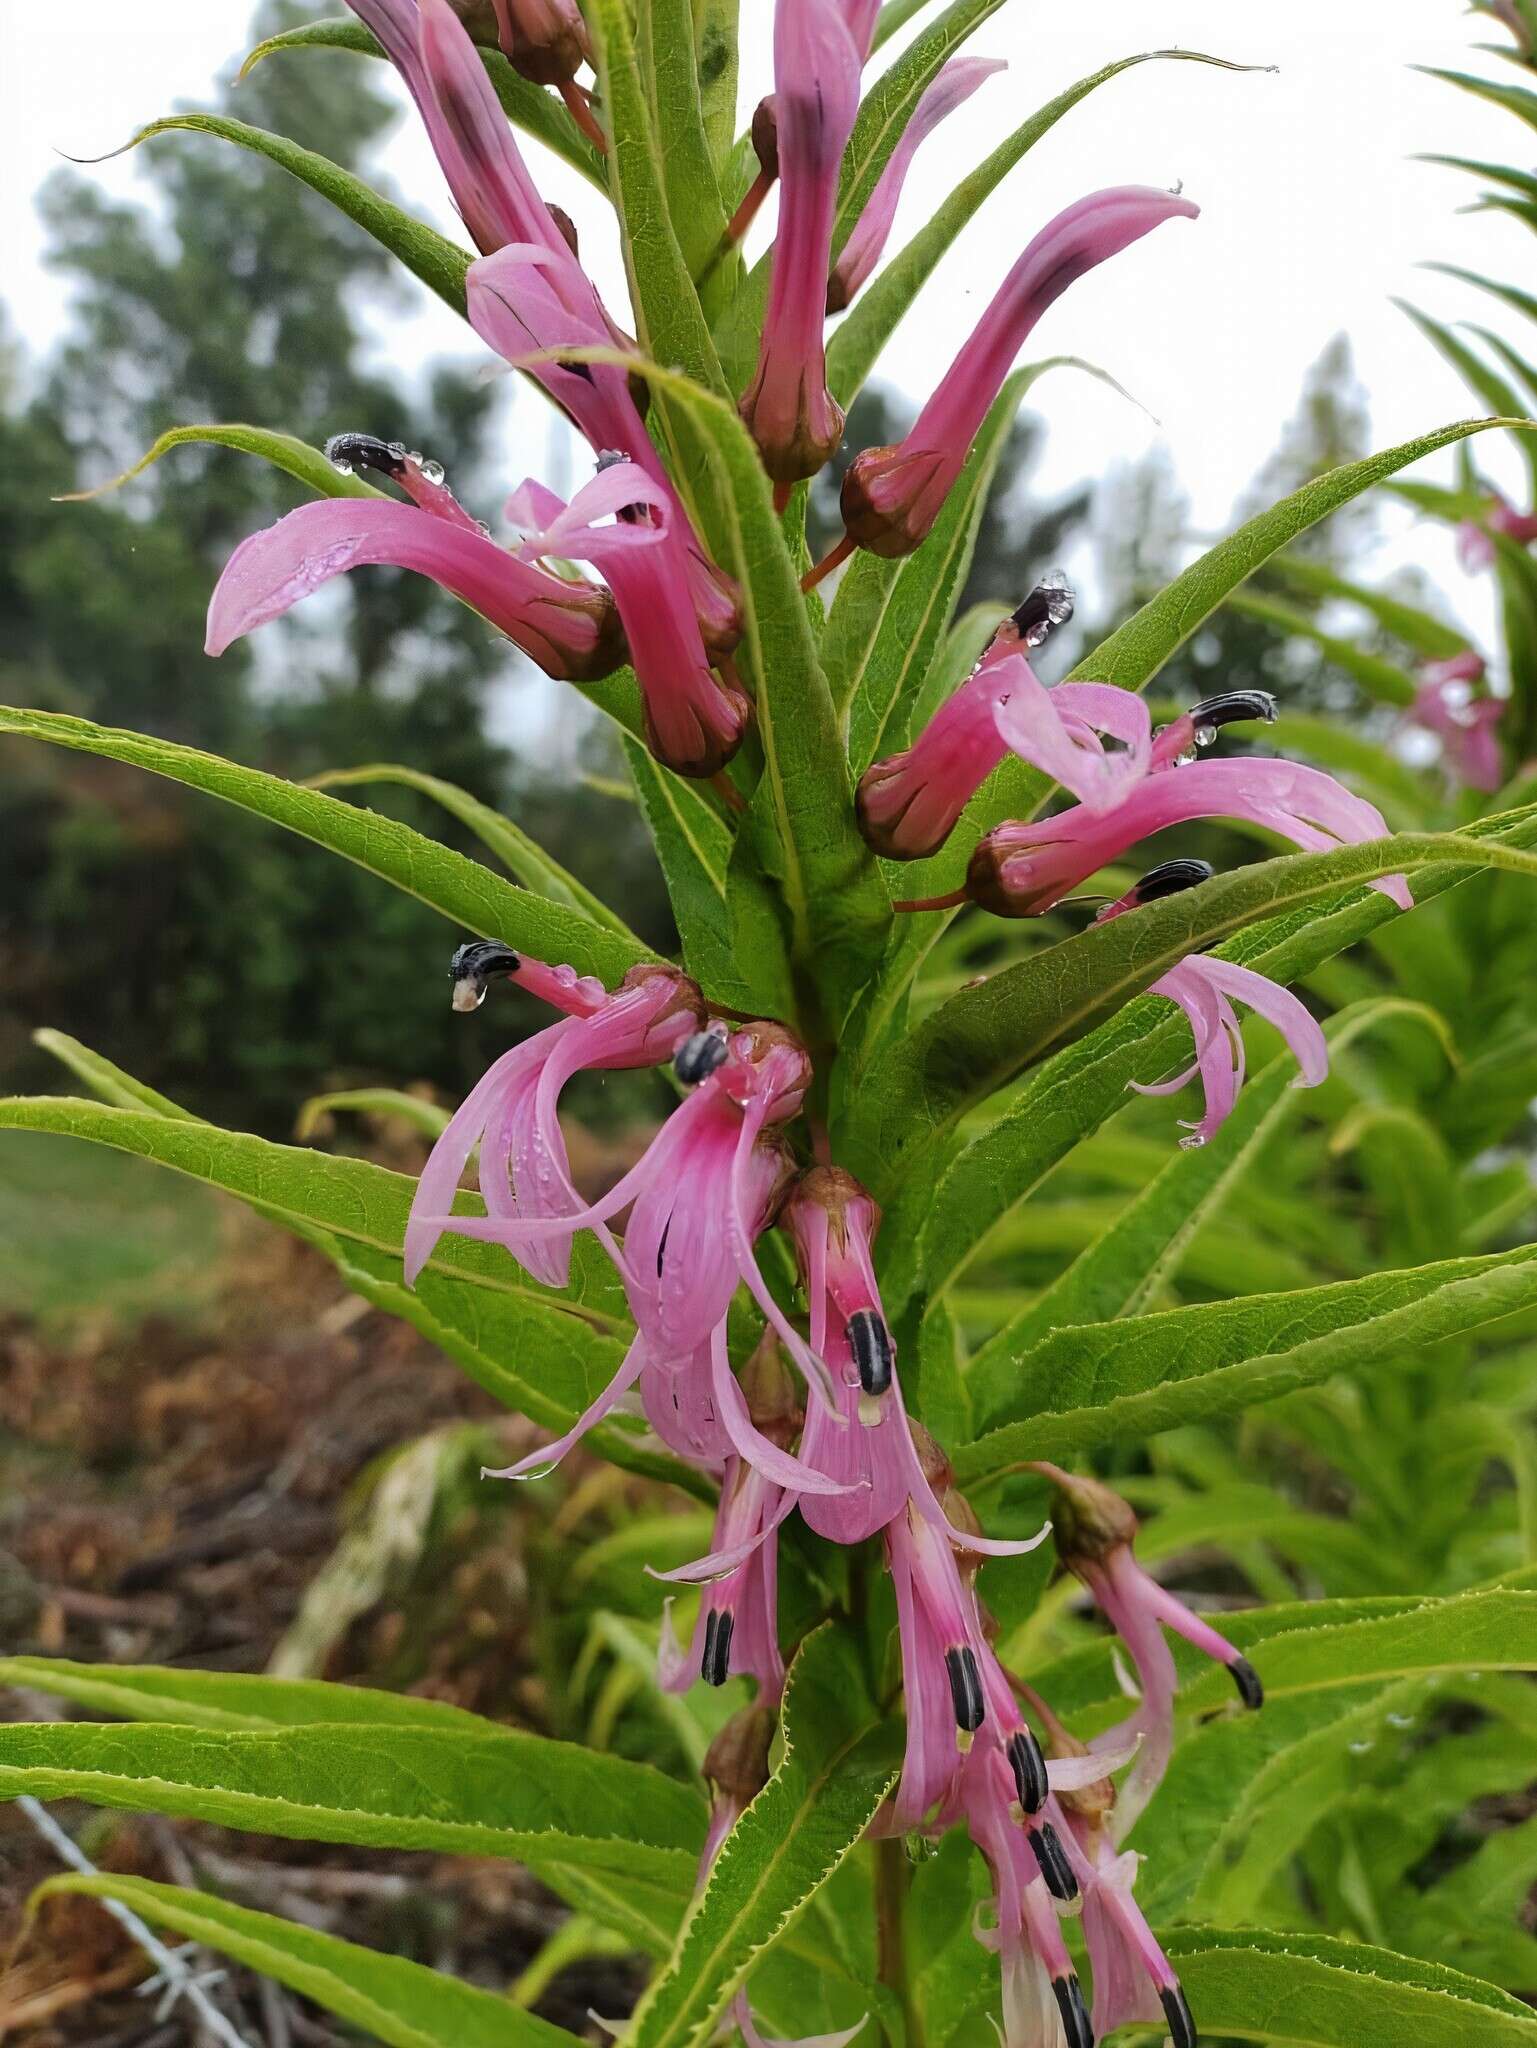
<point x="200" y="1429"/>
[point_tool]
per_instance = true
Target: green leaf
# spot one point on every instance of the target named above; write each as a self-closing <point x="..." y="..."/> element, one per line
<point x="1418" y="629"/>
<point x="439" y="263"/>
<point x="1087" y="1386"/>
<point x="543" y="1353"/>
<point x="693" y="846"/>
<point x="105" y="1080"/>
<point x="220" y="1699"/>
<point x="526" y="105"/>
<point x="1524" y="303"/>
<point x="894" y="14"/>
<point x="671" y="324"/>
<point x="284" y="451"/>
<point x="840" y="1760"/>
<point x="399" y="2002"/>
<point x="470" y="895"/>
<point x="665" y="39"/>
<point x="855" y="347"/>
<point x="1381" y="679"/>
<point x="496" y="1793"/>
<point x="1524" y="182"/>
<point x="985" y="1035"/>
<point x="715" y="57"/>
<point x="1515" y="99"/>
<point x="525" y="858"/>
<point x="420" y="1114"/>
<point x="1129" y="1264"/>
<point x="1309" y="1992"/>
<point x="1483" y="382"/>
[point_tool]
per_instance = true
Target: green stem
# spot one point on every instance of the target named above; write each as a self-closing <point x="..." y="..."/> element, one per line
<point x="892" y="1877"/>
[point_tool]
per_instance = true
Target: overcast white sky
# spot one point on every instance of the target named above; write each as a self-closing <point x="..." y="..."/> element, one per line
<point x="1312" y="216"/>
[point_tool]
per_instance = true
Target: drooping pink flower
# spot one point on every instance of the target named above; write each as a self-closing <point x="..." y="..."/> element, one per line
<point x="1206" y="989"/>
<point x="530" y="303"/>
<point x="621" y="522"/>
<point x="909" y="803"/>
<point x="1476" y="550"/>
<point x="512" y="1112"/>
<point x="1125" y="795"/>
<point x="792" y="415"/>
<point x="431" y="49"/>
<point x="570" y="628"/>
<point x="892" y="496"/>
<point x="951" y="88"/>
<point x="1466" y="724"/>
<point x="1094" y="1531"/>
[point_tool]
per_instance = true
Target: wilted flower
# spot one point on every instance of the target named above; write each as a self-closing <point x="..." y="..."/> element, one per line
<point x="1206" y="989"/>
<point x="1094" y="1531"/>
<point x="621" y="522"/>
<point x="892" y="496"/>
<point x="951" y="88"/>
<point x="1465" y="724"/>
<point x="569" y="627"/>
<point x="793" y="416"/>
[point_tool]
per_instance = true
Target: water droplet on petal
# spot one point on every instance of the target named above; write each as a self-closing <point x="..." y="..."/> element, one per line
<point x="1193" y="1143"/>
<point x="432" y="471"/>
<point x="1204" y="735"/>
<point x="398" y="450"/>
<point x="1184" y="760"/>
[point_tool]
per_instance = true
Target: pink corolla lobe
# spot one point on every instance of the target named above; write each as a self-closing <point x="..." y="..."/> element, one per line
<point x="1466" y="724"/>
<point x="892" y="496"/>
<point x="569" y="627"/>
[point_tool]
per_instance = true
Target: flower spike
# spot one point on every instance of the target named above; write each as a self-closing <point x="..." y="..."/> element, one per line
<point x="892" y="496"/>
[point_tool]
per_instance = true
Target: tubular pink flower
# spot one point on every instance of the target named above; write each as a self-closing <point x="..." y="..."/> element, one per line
<point x="792" y="415"/>
<point x="528" y="302"/>
<point x="951" y="88"/>
<point x="1021" y="869"/>
<point x="1476" y="550"/>
<point x="1133" y="1978"/>
<point x="621" y="523"/>
<point x="470" y="137"/>
<point x="892" y="496"/>
<point x="1466" y="725"/>
<point x="569" y="628"/>
<point x="1094" y="1531"/>
<point x="512" y="1110"/>
<point x="737" y="1632"/>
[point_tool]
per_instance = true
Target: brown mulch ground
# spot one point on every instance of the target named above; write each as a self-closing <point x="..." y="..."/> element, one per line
<point x="170" y="1492"/>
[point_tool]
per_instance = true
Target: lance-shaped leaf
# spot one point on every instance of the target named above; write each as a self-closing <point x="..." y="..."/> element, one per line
<point x="402" y="2003"/>
<point x="1087" y="1386"/>
<point x="1483" y="382"/>
<point x="1380" y="678"/>
<point x="1075" y="1091"/>
<point x="287" y="452"/>
<point x="222" y="1699"/>
<point x="500" y="1793"/>
<point x="840" y="1760"/>
<point x="671" y="323"/>
<point x="470" y="895"/>
<point x="106" y="1081"/>
<point x="1515" y="99"/>
<point x="438" y="262"/>
<point x="528" y="106"/>
<point x="542" y="1353"/>
<point x="986" y="1035"/>
<point x="415" y="1110"/>
<point x="1519" y="301"/>
<point x="856" y="346"/>
<point x="670" y="70"/>
<point x="1418" y="629"/>
<point x="693" y="845"/>
<point x="524" y="857"/>
<point x="1311" y="1992"/>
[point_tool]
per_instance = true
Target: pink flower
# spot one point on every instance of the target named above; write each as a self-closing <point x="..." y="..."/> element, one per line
<point x="512" y="1111"/>
<point x="1476" y="551"/>
<point x="908" y="804"/>
<point x="892" y="496"/>
<point x="621" y="522"/>
<point x="529" y="303"/>
<point x="1205" y="989"/>
<point x="1094" y="1530"/>
<point x="1020" y="869"/>
<point x="1467" y="726"/>
<point x="792" y="415"/>
<point x="470" y="137"/>
<point x="951" y="88"/>
<point x="570" y="628"/>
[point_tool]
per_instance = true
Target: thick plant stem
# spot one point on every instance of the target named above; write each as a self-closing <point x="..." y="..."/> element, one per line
<point x="892" y="1878"/>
